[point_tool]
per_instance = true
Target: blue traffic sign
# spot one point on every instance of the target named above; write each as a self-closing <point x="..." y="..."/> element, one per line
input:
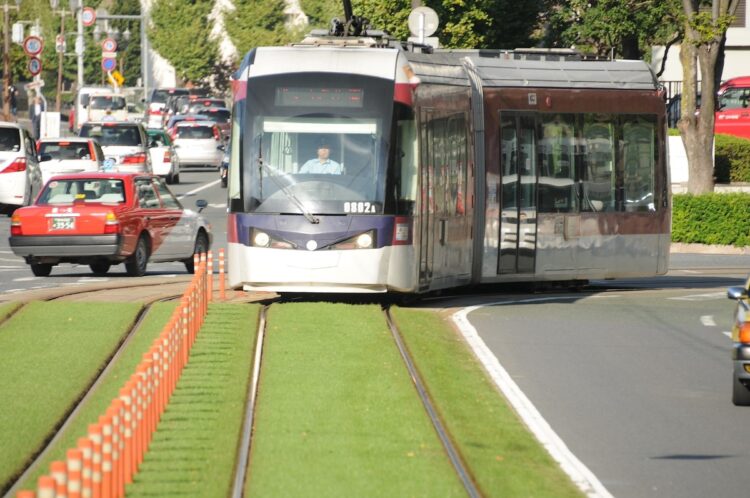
<point x="109" y="64"/>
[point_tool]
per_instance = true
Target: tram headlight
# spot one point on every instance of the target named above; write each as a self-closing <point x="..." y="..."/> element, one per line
<point x="364" y="240"/>
<point x="261" y="239"/>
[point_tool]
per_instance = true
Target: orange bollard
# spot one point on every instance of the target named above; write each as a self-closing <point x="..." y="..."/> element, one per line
<point x="74" y="459"/>
<point x="127" y="435"/>
<point x="25" y="493"/>
<point x="95" y="435"/>
<point x="116" y="414"/>
<point x="45" y="487"/>
<point x="85" y="445"/>
<point x="222" y="290"/>
<point x="106" y="423"/>
<point x="59" y="472"/>
<point x="210" y="281"/>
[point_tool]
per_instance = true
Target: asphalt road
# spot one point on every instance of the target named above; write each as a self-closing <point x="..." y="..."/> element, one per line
<point x="635" y="379"/>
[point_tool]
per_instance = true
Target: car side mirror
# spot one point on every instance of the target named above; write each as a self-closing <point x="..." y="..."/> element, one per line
<point x="45" y="157"/>
<point x="153" y="143"/>
<point x="201" y="204"/>
<point x="736" y="293"/>
<point x="221" y="147"/>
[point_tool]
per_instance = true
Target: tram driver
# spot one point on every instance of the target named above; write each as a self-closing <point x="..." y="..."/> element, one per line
<point x="322" y="164"/>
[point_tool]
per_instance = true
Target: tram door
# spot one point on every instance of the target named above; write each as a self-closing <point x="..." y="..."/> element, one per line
<point x="518" y="196"/>
<point x="427" y="204"/>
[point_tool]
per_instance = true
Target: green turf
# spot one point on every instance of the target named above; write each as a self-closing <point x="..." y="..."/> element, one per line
<point x="193" y="451"/>
<point x="109" y="388"/>
<point x="49" y="353"/>
<point x="6" y="309"/>
<point x="337" y="412"/>
<point x="505" y="458"/>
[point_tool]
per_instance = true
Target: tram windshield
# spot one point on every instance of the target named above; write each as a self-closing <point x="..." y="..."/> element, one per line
<point x="317" y="148"/>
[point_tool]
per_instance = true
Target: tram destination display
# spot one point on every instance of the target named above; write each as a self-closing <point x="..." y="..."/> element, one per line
<point x="319" y="97"/>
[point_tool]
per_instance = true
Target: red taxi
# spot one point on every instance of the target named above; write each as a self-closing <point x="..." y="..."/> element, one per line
<point x="102" y="219"/>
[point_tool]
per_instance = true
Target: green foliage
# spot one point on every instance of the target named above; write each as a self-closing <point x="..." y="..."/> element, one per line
<point x="259" y="23"/>
<point x="320" y="12"/>
<point x="180" y="34"/>
<point x="711" y="219"/>
<point x="604" y="26"/>
<point x="480" y="24"/>
<point x="732" y="162"/>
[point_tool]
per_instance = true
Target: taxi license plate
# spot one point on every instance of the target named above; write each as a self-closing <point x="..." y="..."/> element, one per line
<point x="62" y="223"/>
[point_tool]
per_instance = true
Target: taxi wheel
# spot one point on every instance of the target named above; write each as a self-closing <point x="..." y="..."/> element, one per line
<point x="201" y="247"/>
<point x="137" y="262"/>
<point x="41" y="269"/>
<point x="740" y="393"/>
<point x="100" y="267"/>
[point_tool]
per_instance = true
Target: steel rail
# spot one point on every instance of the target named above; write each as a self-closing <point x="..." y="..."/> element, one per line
<point x="243" y="449"/>
<point x="450" y="449"/>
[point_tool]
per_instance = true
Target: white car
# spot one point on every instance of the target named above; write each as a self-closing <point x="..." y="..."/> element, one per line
<point x="164" y="160"/>
<point x="125" y="145"/>
<point x="20" y="177"/>
<point x="69" y="155"/>
<point x="198" y="143"/>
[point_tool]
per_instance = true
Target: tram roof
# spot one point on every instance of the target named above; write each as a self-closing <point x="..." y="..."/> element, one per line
<point x="553" y="70"/>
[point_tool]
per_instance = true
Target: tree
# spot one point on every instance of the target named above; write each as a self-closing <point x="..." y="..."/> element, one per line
<point x="259" y="23"/>
<point x="702" y="51"/>
<point x="180" y="33"/>
<point x="620" y="28"/>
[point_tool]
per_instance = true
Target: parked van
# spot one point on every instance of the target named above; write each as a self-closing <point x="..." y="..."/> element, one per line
<point x="107" y="106"/>
<point x="733" y="107"/>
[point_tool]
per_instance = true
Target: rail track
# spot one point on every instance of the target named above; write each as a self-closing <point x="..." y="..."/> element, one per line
<point x="243" y="451"/>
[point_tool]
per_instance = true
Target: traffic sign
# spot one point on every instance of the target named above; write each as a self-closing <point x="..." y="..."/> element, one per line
<point x="118" y="77"/>
<point x="109" y="45"/>
<point x="33" y="45"/>
<point x="88" y="16"/>
<point x="108" y="64"/>
<point x="60" y="44"/>
<point x="35" y="66"/>
<point x="109" y="55"/>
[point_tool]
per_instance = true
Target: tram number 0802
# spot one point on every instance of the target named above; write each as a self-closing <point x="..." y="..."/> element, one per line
<point x="359" y="207"/>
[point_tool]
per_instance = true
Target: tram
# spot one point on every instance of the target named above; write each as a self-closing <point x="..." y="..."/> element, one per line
<point x="444" y="168"/>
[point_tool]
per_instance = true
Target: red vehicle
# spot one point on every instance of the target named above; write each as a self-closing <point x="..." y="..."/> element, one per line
<point x="102" y="219"/>
<point x="733" y="108"/>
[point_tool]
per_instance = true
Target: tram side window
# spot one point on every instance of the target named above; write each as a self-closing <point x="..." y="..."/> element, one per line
<point x="638" y="159"/>
<point x="407" y="157"/>
<point x="557" y="153"/>
<point x="598" y="176"/>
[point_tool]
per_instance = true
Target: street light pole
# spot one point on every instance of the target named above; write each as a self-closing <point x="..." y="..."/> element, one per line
<point x="6" y="57"/>
<point x="61" y="50"/>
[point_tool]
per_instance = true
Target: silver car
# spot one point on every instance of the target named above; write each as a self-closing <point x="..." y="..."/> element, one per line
<point x="198" y="143"/>
<point x="125" y="145"/>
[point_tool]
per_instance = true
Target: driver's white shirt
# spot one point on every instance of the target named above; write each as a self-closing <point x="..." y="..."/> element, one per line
<point x="316" y="166"/>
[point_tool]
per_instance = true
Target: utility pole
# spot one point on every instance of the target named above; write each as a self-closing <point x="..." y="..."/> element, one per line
<point x="6" y="57"/>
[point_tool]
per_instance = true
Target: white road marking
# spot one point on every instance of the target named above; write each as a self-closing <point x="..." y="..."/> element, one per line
<point x="218" y="206"/>
<point x="556" y="447"/>
<point x="701" y="297"/>
<point x="728" y="334"/>
<point x="204" y="187"/>
<point x="26" y="279"/>
<point x="708" y="321"/>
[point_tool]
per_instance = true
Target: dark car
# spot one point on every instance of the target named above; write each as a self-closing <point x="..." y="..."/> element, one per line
<point x="741" y="345"/>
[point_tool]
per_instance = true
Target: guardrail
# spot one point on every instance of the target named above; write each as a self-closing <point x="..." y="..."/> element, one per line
<point x="106" y="459"/>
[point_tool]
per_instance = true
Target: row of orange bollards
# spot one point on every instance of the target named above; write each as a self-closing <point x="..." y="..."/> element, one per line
<point x="108" y="458"/>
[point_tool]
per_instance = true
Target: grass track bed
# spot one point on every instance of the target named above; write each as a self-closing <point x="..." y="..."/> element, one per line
<point x="337" y="413"/>
<point x="193" y="450"/>
<point x="49" y="353"/>
<point x="504" y="457"/>
<point x="109" y="388"/>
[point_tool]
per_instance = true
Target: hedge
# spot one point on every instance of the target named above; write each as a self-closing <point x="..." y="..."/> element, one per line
<point x="732" y="162"/>
<point x="711" y="219"/>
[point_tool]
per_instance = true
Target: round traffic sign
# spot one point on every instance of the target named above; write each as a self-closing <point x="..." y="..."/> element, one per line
<point x="35" y="66"/>
<point x="109" y="45"/>
<point x="33" y="45"/>
<point x="108" y="64"/>
<point x="88" y="16"/>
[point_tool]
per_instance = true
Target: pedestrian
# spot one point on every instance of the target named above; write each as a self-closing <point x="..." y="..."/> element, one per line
<point x="35" y="114"/>
<point x="13" y="100"/>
